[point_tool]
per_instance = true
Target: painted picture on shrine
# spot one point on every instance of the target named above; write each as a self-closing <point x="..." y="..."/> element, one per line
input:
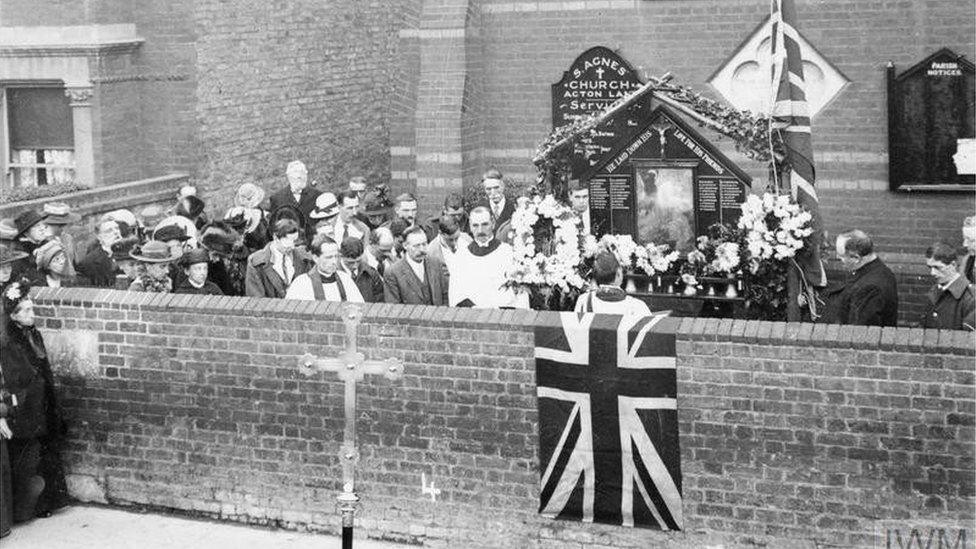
<point x="665" y="206"/>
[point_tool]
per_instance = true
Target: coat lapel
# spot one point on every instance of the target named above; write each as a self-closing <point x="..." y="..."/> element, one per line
<point x="433" y="282"/>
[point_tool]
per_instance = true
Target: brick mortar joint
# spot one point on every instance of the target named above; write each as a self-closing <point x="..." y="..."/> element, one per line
<point x="713" y="330"/>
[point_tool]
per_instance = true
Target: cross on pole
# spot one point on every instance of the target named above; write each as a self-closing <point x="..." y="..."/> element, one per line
<point x="352" y="366"/>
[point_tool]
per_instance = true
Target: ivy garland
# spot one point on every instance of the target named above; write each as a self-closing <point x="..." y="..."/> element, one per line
<point x="749" y="131"/>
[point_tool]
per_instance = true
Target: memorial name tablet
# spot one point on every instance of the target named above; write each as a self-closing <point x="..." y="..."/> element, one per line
<point x="612" y="204"/>
<point x="718" y="200"/>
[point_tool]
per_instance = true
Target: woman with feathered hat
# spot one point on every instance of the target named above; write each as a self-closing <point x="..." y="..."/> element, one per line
<point x="33" y="427"/>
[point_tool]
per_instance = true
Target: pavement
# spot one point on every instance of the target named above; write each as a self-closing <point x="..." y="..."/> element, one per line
<point x="84" y="527"/>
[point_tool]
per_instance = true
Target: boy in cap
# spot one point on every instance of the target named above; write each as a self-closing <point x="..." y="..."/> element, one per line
<point x="196" y="265"/>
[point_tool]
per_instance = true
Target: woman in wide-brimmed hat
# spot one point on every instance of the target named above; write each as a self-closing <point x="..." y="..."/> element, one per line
<point x="52" y="263"/>
<point x="32" y="425"/>
<point x="154" y="259"/>
<point x="59" y="216"/>
<point x="249" y="196"/>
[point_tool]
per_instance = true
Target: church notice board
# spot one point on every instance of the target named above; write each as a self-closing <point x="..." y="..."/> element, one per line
<point x="596" y="79"/>
<point x="931" y="143"/>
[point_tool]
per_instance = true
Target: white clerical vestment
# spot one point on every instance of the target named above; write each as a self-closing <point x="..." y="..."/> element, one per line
<point x="478" y="275"/>
<point x="338" y="287"/>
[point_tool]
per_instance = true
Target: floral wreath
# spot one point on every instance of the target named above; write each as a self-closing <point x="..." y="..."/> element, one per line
<point x="546" y="246"/>
<point x="775" y="228"/>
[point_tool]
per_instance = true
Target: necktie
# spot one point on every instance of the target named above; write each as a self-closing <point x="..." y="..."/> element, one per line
<point x="289" y="268"/>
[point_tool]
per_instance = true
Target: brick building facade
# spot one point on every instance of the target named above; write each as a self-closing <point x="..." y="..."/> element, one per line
<point x="427" y="94"/>
<point x="476" y="94"/>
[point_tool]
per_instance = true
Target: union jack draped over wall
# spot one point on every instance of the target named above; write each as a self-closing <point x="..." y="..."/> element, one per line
<point x="608" y="426"/>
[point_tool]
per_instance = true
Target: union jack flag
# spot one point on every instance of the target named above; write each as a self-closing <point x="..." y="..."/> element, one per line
<point x="791" y="118"/>
<point x="608" y="426"/>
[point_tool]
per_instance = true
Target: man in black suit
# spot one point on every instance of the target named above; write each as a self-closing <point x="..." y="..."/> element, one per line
<point x="297" y="195"/>
<point x="501" y="209"/>
<point x="96" y="267"/>
<point x="271" y="269"/>
<point x="416" y="279"/>
<point x="871" y="296"/>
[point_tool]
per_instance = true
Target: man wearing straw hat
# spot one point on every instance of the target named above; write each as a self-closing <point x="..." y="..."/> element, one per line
<point x="153" y="269"/>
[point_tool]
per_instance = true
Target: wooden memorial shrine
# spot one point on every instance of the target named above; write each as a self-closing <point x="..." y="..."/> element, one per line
<point x="650" y="174"/>
<point x="931" y="138"/>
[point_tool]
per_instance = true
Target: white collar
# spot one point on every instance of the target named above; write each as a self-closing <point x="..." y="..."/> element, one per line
<point x="194" y="284"/>
<point x="944" y="287"/>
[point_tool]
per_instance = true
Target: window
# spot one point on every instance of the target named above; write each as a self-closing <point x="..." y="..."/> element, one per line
<point x="39" y="146"/>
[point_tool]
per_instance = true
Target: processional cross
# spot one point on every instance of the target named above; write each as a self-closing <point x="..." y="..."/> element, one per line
<point x="352" y="366"/>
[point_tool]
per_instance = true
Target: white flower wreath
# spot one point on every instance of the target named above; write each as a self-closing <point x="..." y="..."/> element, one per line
<point x="775" y="228"/>
<point x="532" y="267"/>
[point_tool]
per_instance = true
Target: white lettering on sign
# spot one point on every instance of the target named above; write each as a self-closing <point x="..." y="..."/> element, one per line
<point x="944" y="69"/>
<point x="631" y="149"/>
<point x="699" y="152"/>
<point x="599" y="61"/>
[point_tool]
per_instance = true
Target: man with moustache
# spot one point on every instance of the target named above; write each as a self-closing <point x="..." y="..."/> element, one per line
<point x="416" y="279"/>
<point x="478" y="270"/>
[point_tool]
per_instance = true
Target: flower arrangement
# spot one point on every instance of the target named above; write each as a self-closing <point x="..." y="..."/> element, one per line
<point x="774" y="227"/>
<point x="650" y="259"/>
<point x="546" y="247"/>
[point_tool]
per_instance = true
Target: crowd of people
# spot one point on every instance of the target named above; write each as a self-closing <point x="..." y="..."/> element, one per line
<point x="350" y="244"/>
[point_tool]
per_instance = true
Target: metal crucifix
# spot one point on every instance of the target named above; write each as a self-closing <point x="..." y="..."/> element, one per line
<point x="352" y="366"/>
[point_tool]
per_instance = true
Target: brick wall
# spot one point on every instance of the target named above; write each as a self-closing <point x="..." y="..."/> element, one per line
<point x="791" y="435"/>
<point x="296" y="80"/>
<point x="524" y="46"/>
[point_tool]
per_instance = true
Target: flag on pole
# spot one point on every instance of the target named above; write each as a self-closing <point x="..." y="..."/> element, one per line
<point x="791" y="119"/>
<point x="608" y="420"/>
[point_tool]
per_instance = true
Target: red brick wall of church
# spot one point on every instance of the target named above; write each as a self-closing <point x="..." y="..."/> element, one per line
<point x="528" y="44"/>
<point x="789" y="434"/>
<point x="296" y="80"/>
<point x="231" y="91"/>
